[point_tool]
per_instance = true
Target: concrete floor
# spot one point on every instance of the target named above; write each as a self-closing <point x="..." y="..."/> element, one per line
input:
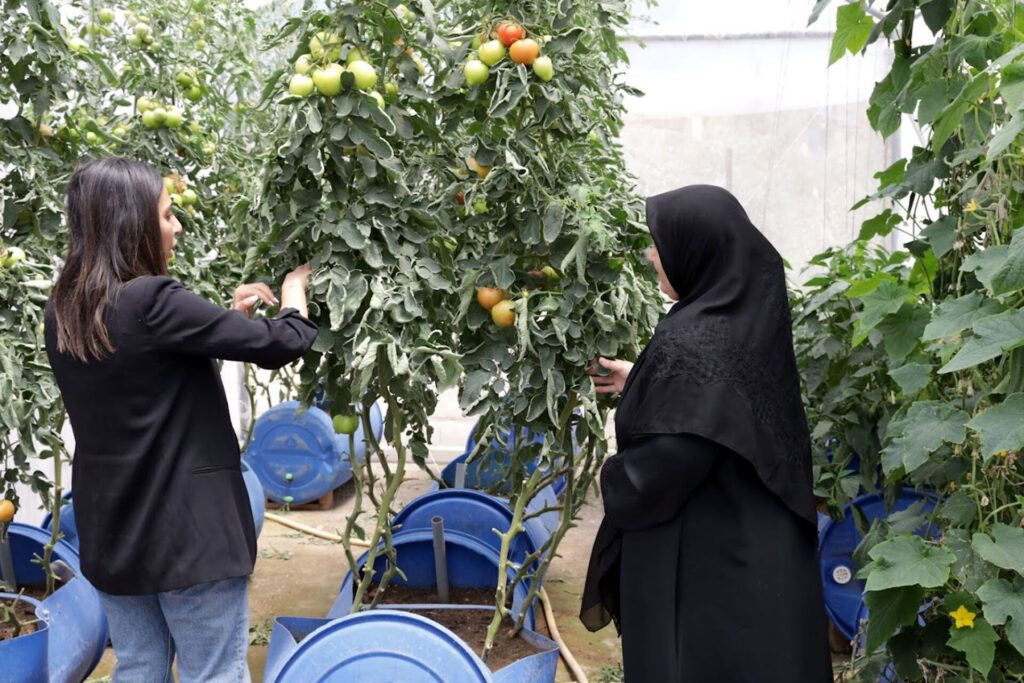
<point x="299" y="575"/>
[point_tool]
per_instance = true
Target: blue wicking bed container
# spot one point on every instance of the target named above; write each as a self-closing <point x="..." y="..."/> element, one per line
<point x="471" y="564"/>
<point x="844" y="594"/>
<point x="391" y="645"/>
<point x="476" y="514"/>
<point x="24" y="659"/>
<point x="299" y="457"/>
<point x="77" y="625"/>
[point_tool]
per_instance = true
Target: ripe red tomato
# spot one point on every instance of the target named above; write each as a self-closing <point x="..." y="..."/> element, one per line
<point x="489" y="296"/>
<point x="524" y="51"/>
<point x="509" y="33"/>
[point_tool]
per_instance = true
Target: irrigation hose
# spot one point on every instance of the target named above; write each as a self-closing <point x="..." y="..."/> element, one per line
<point x="327" y="536"/>
<point x="570" y="662"/>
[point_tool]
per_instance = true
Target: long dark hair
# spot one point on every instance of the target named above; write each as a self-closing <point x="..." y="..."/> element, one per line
<point x="114" y="237"/>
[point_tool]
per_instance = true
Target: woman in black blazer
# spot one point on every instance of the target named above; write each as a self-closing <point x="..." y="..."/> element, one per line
<point x="166" y="532"/>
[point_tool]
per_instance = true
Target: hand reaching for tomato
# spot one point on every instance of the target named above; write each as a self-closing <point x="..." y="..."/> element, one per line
<point x="246" y="297"/>
<point x="609" y="375"/>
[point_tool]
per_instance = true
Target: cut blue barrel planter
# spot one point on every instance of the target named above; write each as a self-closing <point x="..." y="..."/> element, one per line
<point x="472" y="563"/>
<point x="378" y="645"/>
<point x="299" y="457"/>
<point x="476" y="514"/>
<point x="77" y="624"/>
<point x="540" y="524"/>
<point x="844" y="594"/>
<point x="25" y="659"/>
<point x="390" y="645"/>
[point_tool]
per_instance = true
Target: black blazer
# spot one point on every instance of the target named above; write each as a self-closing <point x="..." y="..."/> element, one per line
<point x="159" y="498"/>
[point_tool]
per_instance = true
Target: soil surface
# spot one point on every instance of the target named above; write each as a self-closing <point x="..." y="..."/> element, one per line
<point x="471" y="626"/>
<point x="400" y="594"/>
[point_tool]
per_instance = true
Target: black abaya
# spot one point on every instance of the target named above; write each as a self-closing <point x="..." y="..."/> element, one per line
<point x="712" y="577"/>
<point x="706" y="557"/>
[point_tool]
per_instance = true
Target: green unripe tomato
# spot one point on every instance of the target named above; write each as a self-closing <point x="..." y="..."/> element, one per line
<point x="303" y="65"/>
<point x="173" y="118"/>
<point x="12" y="256"/>
<point x="491" y="52"/>
<point x="346" y="424"/>
<point x="544" y="69"/>
<point x="476" y="72"/>
<point x="328" y="80"/>
<point x="325" y="44"/>
<point x="300" y="85"/>
<point x="354" y="55"/>
<point x="366" y="75"/>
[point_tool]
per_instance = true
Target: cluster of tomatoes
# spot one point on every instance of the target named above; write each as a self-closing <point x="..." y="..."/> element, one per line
<point x="510" y="38"/>
<point x="181" y="194"/>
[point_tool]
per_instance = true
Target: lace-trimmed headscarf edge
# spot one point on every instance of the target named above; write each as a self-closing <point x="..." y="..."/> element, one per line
<point x="721" y="364"/>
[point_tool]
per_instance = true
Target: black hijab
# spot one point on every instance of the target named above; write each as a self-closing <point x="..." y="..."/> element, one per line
<point x="721" y="364"/>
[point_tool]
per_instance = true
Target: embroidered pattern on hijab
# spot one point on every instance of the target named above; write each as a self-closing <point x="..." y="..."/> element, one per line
<point x="726" y="345"/>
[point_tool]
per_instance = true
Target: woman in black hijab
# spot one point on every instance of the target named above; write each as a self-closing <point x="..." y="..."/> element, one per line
<point x="706" y="557"/>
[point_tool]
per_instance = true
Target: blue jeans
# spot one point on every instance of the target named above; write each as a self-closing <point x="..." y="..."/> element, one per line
<point x="207" y="625"/>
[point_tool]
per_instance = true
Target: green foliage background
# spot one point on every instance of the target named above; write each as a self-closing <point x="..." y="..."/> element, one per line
<point x="914" y="361"/>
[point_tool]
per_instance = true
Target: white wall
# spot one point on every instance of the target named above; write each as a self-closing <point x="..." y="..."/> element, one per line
<point x="739" y="94"/>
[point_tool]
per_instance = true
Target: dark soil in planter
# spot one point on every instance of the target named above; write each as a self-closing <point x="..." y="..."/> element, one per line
<point x="25" y="611"/>
<point x="468" y="625"/>
<point x="406" y="595"/>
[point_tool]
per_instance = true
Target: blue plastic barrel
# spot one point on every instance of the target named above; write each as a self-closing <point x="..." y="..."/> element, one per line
<point x="78" y="626"/>
<point x="376" y="645"/>
<point x="539" y="667"/>
<point x="471" y="564"/>
<point x="25" y="659"/>
<point x="298" y="457"/>
<point x="489" y="469"/>
<point x="844" y="594"/>
<point x="476" y="514"/>
<point x="257" y="502"/>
